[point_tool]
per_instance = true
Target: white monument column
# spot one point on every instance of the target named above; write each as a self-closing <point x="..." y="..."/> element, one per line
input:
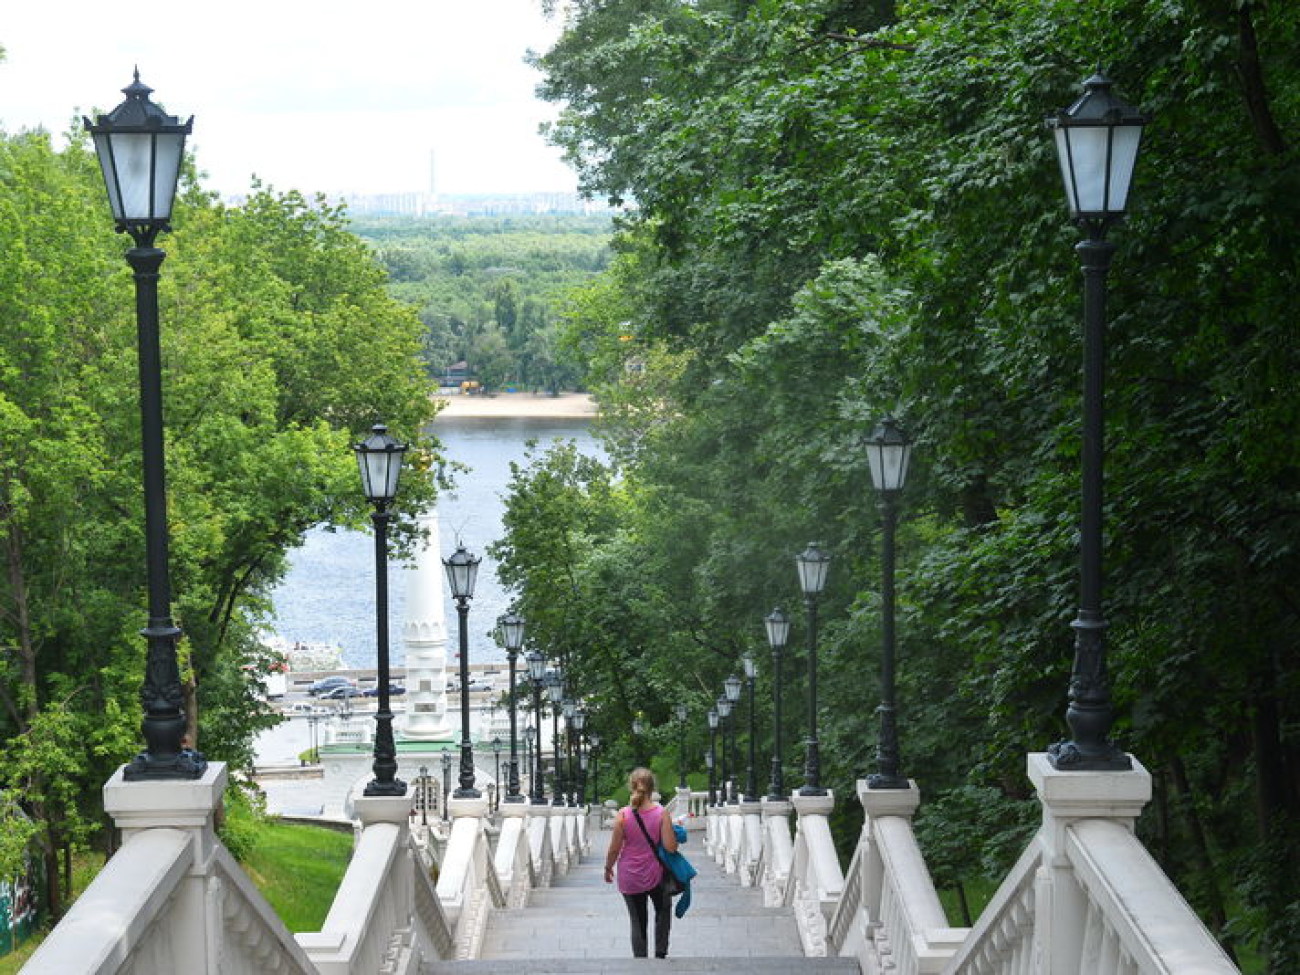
<point x="424" y="635"/>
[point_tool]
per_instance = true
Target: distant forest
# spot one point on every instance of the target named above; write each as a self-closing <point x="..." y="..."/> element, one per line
<point x="489" y="289"/>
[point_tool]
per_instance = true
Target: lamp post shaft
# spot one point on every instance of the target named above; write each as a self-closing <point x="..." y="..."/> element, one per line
<point x="776" y="787"/>
<point x="751" y="786"/>
<point x="812" y="761"/>
<point x="681" y="762"/>
<point x="887" y="758"/>
<point x="724" y="772"/>
<point x="465" y="788"/>
<point x="385" y="782"/>
<point x="713" y="763"/>
<point x="539" y="793"/>
<point x="163" y="727"/>
<point x="557" y="780"/>
<point x="1089" y="713"/>
<point x="512" y="789"/>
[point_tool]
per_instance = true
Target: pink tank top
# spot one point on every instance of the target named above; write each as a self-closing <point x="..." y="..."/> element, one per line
<point x="639" y="869"/>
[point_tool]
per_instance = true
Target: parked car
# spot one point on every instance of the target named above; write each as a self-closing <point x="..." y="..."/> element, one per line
<point x="319" y="688"/>
<point x="394" y="690"/>
<point x="340" y="692"/>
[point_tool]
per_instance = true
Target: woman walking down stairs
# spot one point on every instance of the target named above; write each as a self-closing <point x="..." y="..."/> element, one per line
<point x="579" y="925"/>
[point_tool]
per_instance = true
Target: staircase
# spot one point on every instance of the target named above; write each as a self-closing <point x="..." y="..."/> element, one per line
<point x="580" y="925"/>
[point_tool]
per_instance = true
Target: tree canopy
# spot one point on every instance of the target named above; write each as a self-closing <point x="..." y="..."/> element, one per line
<point x="281" y="346"/>
<point x="845" y="210"/>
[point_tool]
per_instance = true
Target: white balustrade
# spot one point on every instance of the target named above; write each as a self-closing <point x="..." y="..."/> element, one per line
<point x="172" y="898"/>
<point x="468" y="886"/>
<point x="512" y="854"/>
<point x="1086" y="896"/>
<point x="778" y="851"/>
<point x="750" y="851"/>
<point x="816" y="879"/>
<point x="541" y="855"/>
<point x="889" y="910"/>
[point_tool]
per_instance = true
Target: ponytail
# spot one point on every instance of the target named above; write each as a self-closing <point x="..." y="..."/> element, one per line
<point x="641" y="786"/>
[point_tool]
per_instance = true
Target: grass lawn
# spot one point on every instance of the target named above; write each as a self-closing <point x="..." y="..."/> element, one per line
<point x="298" y="869"/>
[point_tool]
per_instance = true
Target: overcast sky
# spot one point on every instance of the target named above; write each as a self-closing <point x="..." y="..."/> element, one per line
<point x="317" y="95"/>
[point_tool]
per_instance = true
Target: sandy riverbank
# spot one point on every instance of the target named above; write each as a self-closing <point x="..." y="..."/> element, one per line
<point x="564" y="406"/>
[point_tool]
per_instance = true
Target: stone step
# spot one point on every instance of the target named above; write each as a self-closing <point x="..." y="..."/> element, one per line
<point x="676" y="965"/>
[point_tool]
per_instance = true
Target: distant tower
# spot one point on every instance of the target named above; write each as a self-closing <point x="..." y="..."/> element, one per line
<point x="425" y="637"/>
<point x="433" y="174"/>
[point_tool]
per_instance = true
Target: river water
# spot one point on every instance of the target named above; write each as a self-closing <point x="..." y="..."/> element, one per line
<point x="328" y="595"/>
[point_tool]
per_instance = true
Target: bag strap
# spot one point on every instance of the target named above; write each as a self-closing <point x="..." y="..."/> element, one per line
<point x="645" y="832"/>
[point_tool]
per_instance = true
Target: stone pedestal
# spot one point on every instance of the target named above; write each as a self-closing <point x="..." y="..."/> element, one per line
<point x="1067" y="797"/>
<point x="187" y="804"/>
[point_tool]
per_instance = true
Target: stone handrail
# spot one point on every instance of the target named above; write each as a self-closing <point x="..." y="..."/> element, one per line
<point x="1003" y="937"/>
<point x="373" y="905"/>
<point x="467" y="885"/>
<point x="889" y="907"/>
<point x="816" y="879"/>
<point x="539" y="845"/>
<point x="513" y="864"/>
<point x="172" y="898"/>
<point x="1137" y="921"/>
<point x="1086" y="896"/>
<point x="689" y="808"/>
<point x="434" y="935"/>
<point x="121" y="917"/>
<point x="778" y="852"/>
<point x="558" y="824"/>
<point x="750" y="853"/>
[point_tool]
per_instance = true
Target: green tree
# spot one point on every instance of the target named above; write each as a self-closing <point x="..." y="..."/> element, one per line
<point x="846" y="210"/>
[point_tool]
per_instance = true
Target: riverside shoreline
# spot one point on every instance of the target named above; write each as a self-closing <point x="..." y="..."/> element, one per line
<point x="518" y="405"/>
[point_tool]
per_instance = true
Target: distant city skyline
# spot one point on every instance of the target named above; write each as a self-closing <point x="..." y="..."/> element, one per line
<point x="430" y="97"/>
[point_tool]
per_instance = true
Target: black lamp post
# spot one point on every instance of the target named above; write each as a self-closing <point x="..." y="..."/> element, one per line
<point x="140" y="148"/>
<point x="512" y="635"/>
<point x="530" y="735"/>
<point x="568" y="708"/>
<point x="496" y="760"/>
<point x="723" y="706"/>
<point x="888" y="454"/>
<point x="751" y="672"/>
<point x="379" y="458"/>
<point x="446" y="782"/>
<point x="462" y="571"/>
<point x="813" y="564"/>
<point x="711" y="758"/>
<point x="681" y="713"/>
<point x="555" y="691"/>
<point x="593" y="741"/>
<point x="731" y="690"/>
<point x="537" y="675"/>
<point x="778" y="632"/>
<point x="312" y="721"/>
<point x="1097" y="141"/>
<point x="579" y="723"/>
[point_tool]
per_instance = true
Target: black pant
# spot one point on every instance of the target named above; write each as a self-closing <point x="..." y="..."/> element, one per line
<point x="640" y="917"/>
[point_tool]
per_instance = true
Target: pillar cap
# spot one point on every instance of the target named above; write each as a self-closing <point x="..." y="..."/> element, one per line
<point x="1084" y="795"/>
<point x="889" y="802"/>
<point x="383" y="809"/>
<point x="814" y="805"/>
<point x="476" y="807"/>
<point x="165" y="802"/>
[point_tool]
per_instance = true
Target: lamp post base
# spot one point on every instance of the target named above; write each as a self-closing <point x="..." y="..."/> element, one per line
<point x="881" y="781"/>
<point x="1068" y="756"/>
<point x="144" y="767"/>
<point x="390" y="788"/>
